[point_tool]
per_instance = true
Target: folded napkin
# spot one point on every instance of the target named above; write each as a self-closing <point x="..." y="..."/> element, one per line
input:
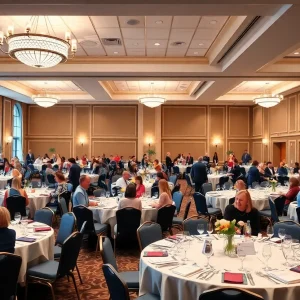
<point x="275" y="240"/>
<point x="296" y="269"/>
<point x="233" y="277"/>
<point x="186" y="270"/>
<point x="162" y="260"/>
<point x="163" y="243"/>
<point x="155" y="253"/>
<point x="36" y="229"/>
<point x="286" y="277"/>
<point x="26" y="239"/>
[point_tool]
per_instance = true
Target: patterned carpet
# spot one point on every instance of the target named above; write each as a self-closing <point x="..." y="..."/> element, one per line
<point x="94" y="285"/>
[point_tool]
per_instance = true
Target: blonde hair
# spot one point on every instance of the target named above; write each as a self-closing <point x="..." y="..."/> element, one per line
<point x="248" y="197"/>
<point x="164" y="187"/>
<point x="4" y="217"/>
<point x="15" y="173"/>
<point x="16" y="183"/>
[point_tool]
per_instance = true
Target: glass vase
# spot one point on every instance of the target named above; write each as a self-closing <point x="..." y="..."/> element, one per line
<point x="229" y="246"/>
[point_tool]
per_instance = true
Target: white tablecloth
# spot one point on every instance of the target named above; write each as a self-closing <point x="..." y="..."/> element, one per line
<point x="3" y="181"/>
<point x="148" y="171"/>
<point x="170" y="286"/>
<point x="182" y="168"/>
<point x="292" y="214"/>
<point x="93" y="177"/>
<point x="214" y="179"/>
<point x="37" y="200"/>
<point x="107" y="213"/>
<point x="33" y="253"/>
<point x="220" y="199"/>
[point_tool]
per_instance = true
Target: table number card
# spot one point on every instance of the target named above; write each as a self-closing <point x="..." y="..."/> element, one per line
<point x="246" y="248"/>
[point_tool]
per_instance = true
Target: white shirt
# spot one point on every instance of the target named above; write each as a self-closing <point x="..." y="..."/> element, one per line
<point x="122" y="183"/>
<point x="38" y="161"/>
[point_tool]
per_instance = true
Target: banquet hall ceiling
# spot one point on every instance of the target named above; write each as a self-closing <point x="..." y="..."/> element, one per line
<point x="208" y="53"/>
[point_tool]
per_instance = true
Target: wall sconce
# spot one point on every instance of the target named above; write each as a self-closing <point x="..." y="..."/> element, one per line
<point x="149" y="141"/>
<point x="82" y="141"/>
<point x="217" y="142"/>
<point x="9" y="139"/>
<point x="265" y="142"/>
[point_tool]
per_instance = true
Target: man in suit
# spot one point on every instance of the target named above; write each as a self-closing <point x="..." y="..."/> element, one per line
<point x="29" y="157"/>
<point x="235" y="171"/>
<point x="199" y="174"/>
<point x="246" y="157"/>
<point x="206" y="158"/>
<point x="189" y="159"/>
<point x="269" y="170"/>
<point x="74" y="173"/>
<point x="169" y="162"/>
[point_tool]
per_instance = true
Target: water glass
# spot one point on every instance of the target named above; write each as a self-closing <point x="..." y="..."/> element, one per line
<point x="185" y="245"/>
<point x="241" y="257"/>
<point x="267" y="253"/>
<point x="270" y="231"/>
<point x="39" y="184"/>
<point x="17" y="217"/>
<point x="210" y="227"/>
<point x="107" y="194"/>
<point x="207" y="251"/>
<point x="281" y="233"/>
<point x="200" y="228"/>
<point x="287" y="252"/>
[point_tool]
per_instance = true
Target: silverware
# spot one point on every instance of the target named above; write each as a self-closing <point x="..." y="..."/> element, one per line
<point x="268" y="277"/>
<point x="249" y="276"/>
<point x="202" y="273"/>
<point x="212" y="274"/>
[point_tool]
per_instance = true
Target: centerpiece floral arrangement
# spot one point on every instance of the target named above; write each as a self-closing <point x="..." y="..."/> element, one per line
<point x="273" y="183"/>
<point x="229" y="229"/>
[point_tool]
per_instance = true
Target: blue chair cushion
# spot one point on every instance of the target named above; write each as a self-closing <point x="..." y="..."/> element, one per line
<point x="57" y="252"/>
<point x="265" y="213"/>
<point x="177" y="220"/>
<point x="46" y="270"/>
<point x="214" y="211"/>
<point x="131" y="278"/>
<point x="100" y="228"/>
<point x="149" y="297"/>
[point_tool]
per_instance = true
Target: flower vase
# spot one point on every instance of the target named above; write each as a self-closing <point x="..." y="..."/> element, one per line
<point x="273" y="188"/>
<point x="229" y="246"/>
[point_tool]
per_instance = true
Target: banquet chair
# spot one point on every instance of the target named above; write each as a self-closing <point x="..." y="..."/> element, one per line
<point x="173" y="179"/>
<point x="44" y="215"/>
<point x="176" y="170"/>
<point x="70" y="187"/>
<point x="177" y="198"/>
<point x="128" y="221"/>
<point x="83" y="214"/>
<point x="48" y="272"/>
<point x="10" y="265"/>
<point x="130" y="277"/>
<point x="148" y="233"/>
<point x="16" y="204"/>
<point x="62" y="205"/>
<point x="188" y="170"/>
<point x="177" y="221"/>
<point x="298" y="213"/>
<point x="175" y="189"/>
<point x="190" y="184"/>
<point x="51" y="180"/>
<point x="155" y="191"/>
<point x="243" y="171"/>
<point x="192" y="222"/>
<point x="118" y="289"/>
<point x="231" y="200"/>
<point x="275" y="211"/>
<point x="291" y="228"/>
<point x="229" y="294"/>
<point x="282" y="179"/>
<point x="206" y="187"/>
<point x="99" y="192"/>
<point x="201" y="206"/>
<point x="222" y="180"/>
<point x="67" y="196"/>
<point x="165" y="216"/>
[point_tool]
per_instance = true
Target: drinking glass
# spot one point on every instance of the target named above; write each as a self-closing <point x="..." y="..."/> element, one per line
<point x="270" y="231"/>
<point x="24" y="222"/>
<point x="295" y="247"/>
<point x="287" y="252"/>
<point x="210" y="228"/>
<point x="107" y="194"/>
<point x="30" y="185"/>
<point x="207" y="251"/>
<point x="241" y="257"/>
<point x="185" y="246"/>
<point x="267" y="253"/>
<point x="17" y="217"/>
<point x="281" y="233"/>
<point x="39" y="184"/>
<point x="200" y="228"/>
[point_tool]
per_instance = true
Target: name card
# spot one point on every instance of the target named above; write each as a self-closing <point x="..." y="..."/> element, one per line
<point x="246" y="248"/>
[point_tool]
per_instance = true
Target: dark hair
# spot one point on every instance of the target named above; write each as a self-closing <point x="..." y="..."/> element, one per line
<point x="139" y="178"/>
<point x="72" y="160"/>
<point x="235" y="161"/>
<point x="269" y="162"/>
<point x="296" y="164"/>
<point x="156" y="160"/>
<point x="160" y="175"/>
<point x="60" y="175"/>
<point x="255" y="163"/>
<point x="130" y="191"/>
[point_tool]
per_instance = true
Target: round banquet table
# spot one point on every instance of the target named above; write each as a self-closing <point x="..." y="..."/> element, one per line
<point x="106" y="213"/>
<point x="214" y="179"/>
<point x="148" y="171"/>
<point x="182" y="168"/>
<point x="3" y="181"/>
<point x="292" y="213"/>
<point x="164" y="282"/>
<point x="260" y="198"/>
<point x="33" y="253"/>
<point x="37" y="200"/>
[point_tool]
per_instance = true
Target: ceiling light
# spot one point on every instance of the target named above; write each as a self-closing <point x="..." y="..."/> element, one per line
<point x="201" y="44"/>
<point x="268" y="100"/>
<point x="296" y="53"/>
<point x="133" y="22"/>
<point x="116" y="52"/>
<point x="157" y="44"/>
<point x="158" y="22"/>
<point x="45" y="100"/>
<point x="152" y="100"/>
<point x="35" y="49"/>
<point x="213" y="22"/>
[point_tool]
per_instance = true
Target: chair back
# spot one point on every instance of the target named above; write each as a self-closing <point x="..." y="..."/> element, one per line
<point x="118" y="289"/>
<point x="44" y="167"/>
<point x="188" y="180"/>
<point x="274" y="215"/>
<point x="44" y="215"/>
<point x="67" y="196"/>
<point x="67" y="224"/>
<point x="177" y="198"/>
<point x="62" y="205"/>
<point x="96" y="170"/>
<point x="51" y="179"/>
<point x="16" y="204"/>
<point x="176" y="170"/>
<point x="155" y="191"/>
<point x="175" y="189"/>
<point x="148" y="233"/>
<point x="298" y="213"/>
<point x="128" y="221"/>
<point x="107" y="252"/>
<point x="70" y="187"/>
<point x="10" y="266"/>
<point x="200" y="203"/>
<point x="222" y="180"/>
<point x="165" y="216"/>
<point x="115" y="178"/>
<point x="173" y="179"/>
<point x="265" y="184"/>
<point x="206" y="187"/>
<point x="191" y="224"/>
<point x="99" y="192"/>
<point x="83" y="214"/>
<point x="187" y="209"/>
<point x="279" y="204"/>
<point x="35" y="183"/>
<point x="254" y="184"/>
<point x="229" y="294"/>
<point x="188" y="170"/>
<point x="231" y="200"/>
<point x="69" y="253"/>
<point x="243" y="171"/>
<point x="291" y="228"/>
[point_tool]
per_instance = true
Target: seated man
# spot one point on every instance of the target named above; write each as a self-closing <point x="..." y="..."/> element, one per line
<point x="269" y="170"/>
<point x="122" y="182"/>
<point x="80" y="196"/>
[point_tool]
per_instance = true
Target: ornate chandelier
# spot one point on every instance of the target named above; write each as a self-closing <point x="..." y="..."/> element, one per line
<point x="45" y="100"/>
<point x="152" y="101"/>
<point x="35" y="49"/>
<point x="268" y="99"/>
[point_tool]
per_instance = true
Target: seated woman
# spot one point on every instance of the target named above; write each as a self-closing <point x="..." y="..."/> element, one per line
<point x="130" y="199"/>
<point x="292" y="192"/>
<point x="46" y="158"/>
<point x="261" y="169"/>
<point x="62" y="186"/>
<point x="7" y="236"/>
<point x="158" y="169"/>
<point x="15" y="190"/>
<point x="7" y="167"/>
<point x="156" y="163"/>
<point x="140" y="188"/>
<point x="165" y="197"/>
<point x="38" y="161"/>
<point x="133" y="169"/>
<point x="253" y="173"/>
<point x="296" y="168"/>
<point x="16" y="173"/>
<point x="240" y="185"/>
<point x="282" y="171"/>
<point x="243" y="210"/>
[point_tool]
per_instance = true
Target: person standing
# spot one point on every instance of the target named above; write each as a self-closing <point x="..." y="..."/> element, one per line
<point x="246" y="157"/>
<point x="169" y="162"/>
<point x="215" y="158"/>
<point x="29" y="157"/>
<point x="74" y="173"/>
<point x="206" y="158"/>
<point x="199" y="174"/>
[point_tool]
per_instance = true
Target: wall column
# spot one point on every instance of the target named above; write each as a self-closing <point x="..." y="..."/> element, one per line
<point x="140" y="146"/>
<point x="158" y="133"/>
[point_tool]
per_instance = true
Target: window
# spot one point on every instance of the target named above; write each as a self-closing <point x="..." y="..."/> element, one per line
<point x="17" y="134"/>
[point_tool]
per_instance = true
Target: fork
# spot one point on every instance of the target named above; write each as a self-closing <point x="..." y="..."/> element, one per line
<point x="267" y="276"/>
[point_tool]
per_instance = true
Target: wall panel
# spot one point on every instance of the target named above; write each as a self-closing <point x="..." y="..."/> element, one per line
<point x="279" y="118"/>
<point x="292" y="113"/>
<point x="148" y="126"/>
<point x="239" y="122"/>
<point x="257" y="153"/>
<point x="238" y="147"/>
<point x="7" y="126"/>
<point x="40" y="147"/>
<point x="196" y="148"/>
<point x="125" y="148"/>
<point x="292" y="154"/>
<point x="257" y="121"/>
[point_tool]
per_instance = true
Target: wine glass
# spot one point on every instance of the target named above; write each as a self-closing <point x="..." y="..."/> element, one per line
<point x="267" y="253"/>
<point x="207" y="251"/>
<point x="39" y="184"/>
<point x="287" y="252"/>
<point x="281" y="233"/>
<point x="295" y="247"/>
<point x="200" y="228"/>
<point x="270" y="231"/>
<point x="185" y="245"/>
<point x="107" y="194"/>
<point x="210" y="227"/>
<point x="24" y="222"/>
<point x="241" y="256"/>
<point x="17" y="217"/>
